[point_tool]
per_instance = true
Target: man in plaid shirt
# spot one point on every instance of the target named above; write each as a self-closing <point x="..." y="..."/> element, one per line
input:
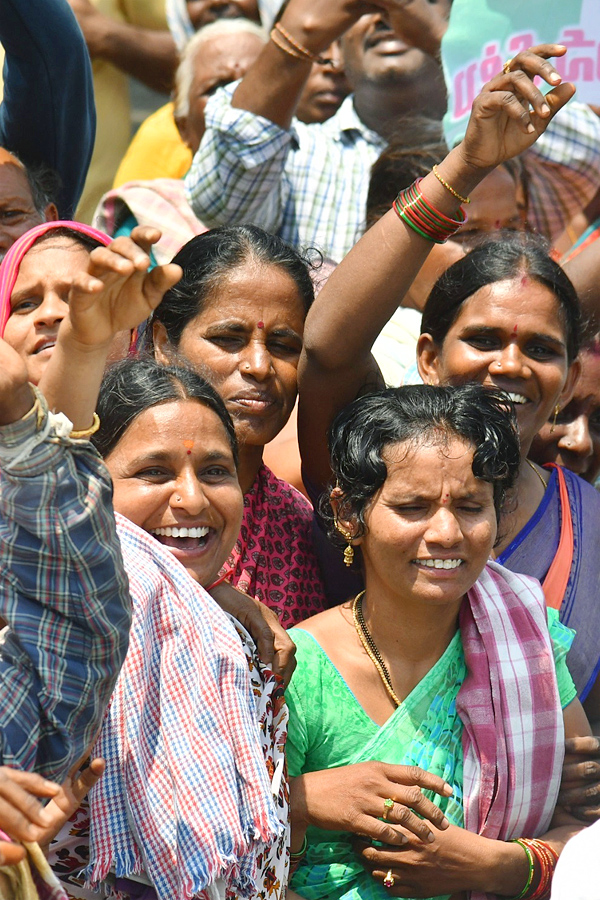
<point x="63" y="591"/>
<point x="309" y="183"/>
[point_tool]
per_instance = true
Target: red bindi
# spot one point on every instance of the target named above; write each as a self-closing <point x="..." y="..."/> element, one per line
<point x="189" y="446"/>
<point x="515" y="330"/>
<point x="260" y="324"/>
<point x="524" y="280"/>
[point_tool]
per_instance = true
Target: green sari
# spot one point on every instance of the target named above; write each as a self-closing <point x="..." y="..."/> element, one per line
<point x="328" y="728"/>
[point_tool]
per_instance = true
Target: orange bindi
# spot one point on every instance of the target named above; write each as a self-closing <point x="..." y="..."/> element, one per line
<point x="189" y="446"/>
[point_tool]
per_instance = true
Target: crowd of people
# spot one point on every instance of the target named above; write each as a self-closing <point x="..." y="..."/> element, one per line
<point x="299" y="444"/>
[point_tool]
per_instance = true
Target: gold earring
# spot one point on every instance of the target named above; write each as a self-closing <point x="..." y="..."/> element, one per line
<point x="349" y="549"/>
<point x="556" y="412"/>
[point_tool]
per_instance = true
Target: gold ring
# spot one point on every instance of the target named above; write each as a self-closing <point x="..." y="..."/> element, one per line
<point x="506" y="67"/>
<point x="387" y="806"/>
<point x="389" y="879"/>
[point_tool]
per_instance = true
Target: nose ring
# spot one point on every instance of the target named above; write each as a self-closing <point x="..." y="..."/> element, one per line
<point x="178" y="498"/>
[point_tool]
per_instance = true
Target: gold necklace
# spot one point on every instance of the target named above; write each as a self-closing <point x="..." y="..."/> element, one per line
<point x="539" y="474"/>
<point x="371" y="647"/>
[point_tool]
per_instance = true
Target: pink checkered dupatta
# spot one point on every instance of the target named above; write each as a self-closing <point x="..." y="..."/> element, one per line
<point x="513" y="739"/>
<point x="186" y="795"/>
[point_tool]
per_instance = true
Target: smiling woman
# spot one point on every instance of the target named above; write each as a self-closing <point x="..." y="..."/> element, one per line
<point x="444" y="661"/>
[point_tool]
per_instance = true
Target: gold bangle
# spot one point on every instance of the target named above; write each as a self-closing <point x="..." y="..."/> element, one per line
<point x="87" y="432"/>
<point x="304" y="53"/>
<point x="283" y="46"/>
<point x="449" y="187"/>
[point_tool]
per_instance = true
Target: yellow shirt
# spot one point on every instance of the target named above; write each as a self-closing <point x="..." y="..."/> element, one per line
<point x="113" y="111"/>
<point x="156" y="151"/>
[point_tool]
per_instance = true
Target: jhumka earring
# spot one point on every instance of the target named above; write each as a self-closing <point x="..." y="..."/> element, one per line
<point x="556" y="412"/>
<point x="349" y="550"/>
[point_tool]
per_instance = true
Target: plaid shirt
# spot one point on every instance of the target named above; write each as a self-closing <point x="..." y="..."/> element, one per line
<point x="310" y="184"/>
<point x="65" y="597"/>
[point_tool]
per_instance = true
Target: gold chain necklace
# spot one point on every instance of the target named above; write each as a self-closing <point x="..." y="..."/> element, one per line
<point x="371" y="647"/>
<point x="539" y="474"/>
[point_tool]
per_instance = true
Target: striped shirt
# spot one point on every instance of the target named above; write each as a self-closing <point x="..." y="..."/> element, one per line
<point x="309" y="184"/>
<point x="64" y="595"/>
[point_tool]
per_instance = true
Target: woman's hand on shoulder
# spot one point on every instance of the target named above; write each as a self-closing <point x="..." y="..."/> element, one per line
<point x="351" y="798"/>
<point x="118" y="292"/>
<point x="274" y="645"/>
<point x="510" y="113"/>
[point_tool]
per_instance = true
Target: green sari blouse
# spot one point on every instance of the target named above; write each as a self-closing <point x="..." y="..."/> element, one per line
<point x="329" y="728"/>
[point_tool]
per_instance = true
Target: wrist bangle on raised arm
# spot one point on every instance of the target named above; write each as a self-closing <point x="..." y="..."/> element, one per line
<point x="291" y="46"/>
<point x="412" y="207"/>
<point x="87" y="432"/>
<point x="449" y="186"/>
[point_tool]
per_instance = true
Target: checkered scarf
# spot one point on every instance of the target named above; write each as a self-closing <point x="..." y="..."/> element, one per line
<point x="186" y="794"/>
<point x="513" y="737"/>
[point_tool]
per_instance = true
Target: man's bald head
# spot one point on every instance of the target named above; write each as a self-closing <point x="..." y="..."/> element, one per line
<point x="22" y="205"/>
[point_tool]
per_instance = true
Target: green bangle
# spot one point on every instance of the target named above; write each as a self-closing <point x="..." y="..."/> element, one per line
<point x="531" y="861"/>
<point x="300" y="853"/>
<point x="414" y="227"/>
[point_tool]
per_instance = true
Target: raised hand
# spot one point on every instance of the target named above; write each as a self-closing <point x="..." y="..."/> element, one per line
<point x="510" y="113"/>
<point x="118" y="292"/>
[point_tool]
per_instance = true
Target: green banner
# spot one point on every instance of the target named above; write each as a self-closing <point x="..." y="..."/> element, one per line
<point x="483" y="34"/>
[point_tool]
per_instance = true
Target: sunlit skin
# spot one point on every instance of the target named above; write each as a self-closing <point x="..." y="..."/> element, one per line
<point x="39" y="300"/>
<point x="430" y="507"/>
<point x="223" y="59"/>
<point x="494" y="206"/>
<point x="17" y="209"/>
<point x="573" y="440"/>
<point x="325" y="89"/>
<point x="247" y="342"/>
<point x="483" y="345"/>
<point x="174" y="467"/>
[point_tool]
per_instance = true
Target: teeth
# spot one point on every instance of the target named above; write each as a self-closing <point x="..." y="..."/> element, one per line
<point x="517" y="398"/>
<point x="181" y="532"/>
<point x="439" y="563"/>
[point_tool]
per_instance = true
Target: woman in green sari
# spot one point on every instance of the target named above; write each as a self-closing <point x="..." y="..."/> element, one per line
<point x="446" y="661"/>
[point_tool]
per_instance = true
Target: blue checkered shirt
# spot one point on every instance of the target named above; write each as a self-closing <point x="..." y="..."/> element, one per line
<point x="65" y="597"/>
<point x="309" y="184"/>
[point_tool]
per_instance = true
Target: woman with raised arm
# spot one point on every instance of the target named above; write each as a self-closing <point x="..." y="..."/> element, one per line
<point x="505" y="316"/>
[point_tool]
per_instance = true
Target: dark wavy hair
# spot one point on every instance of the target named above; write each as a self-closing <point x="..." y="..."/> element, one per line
<point x="132" y="386"/>
<point x="209" y="257"/>
<point x="417" y="413"/>
<point x="499" y="260"/>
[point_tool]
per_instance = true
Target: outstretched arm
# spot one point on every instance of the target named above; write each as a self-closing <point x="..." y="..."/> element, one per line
<point x="48" y="114"/>
<point x="366" y="288"/>
<point x="63" y="590"/>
